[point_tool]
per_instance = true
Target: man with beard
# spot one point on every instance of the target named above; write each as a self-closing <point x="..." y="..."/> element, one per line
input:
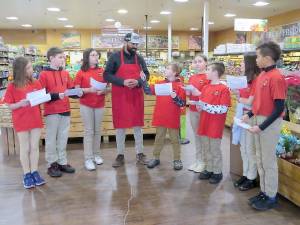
<point x="123" y="70"/>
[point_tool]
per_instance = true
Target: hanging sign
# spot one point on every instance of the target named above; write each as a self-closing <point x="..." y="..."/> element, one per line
<point x="258" y="25"/>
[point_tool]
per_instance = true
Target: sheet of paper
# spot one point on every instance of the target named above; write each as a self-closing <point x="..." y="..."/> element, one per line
<point x="163" y="89"/>
<point x="97" y="85"/>
<point x="73" y="92"/>
<point x="191" y="102"/>
<point x="36" y="94"/>
<point x="238" y="122"/>
<point x="189" y="87"/>
<point x="236" y="82"/>
<point x="39" y="100"/>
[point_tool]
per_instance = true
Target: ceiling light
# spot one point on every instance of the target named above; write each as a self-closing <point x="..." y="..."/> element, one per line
<point x="63" y="19"/>
<point x="122" y="11"/>
<point x="26" y="25"/>
<point x="210" y="23"/>
<point x="165" y="12"/>
<point x="181" y="0"/>
<point x="110" y="20"/>
<point x="69" y="26"/>
<point x="118" y="24"/>
<point x="259" y="3"/>
<point x="12" y="18"/>
<point x="53" y="9"/>
<point x="147" y="28"/>
<point x="154" y="21"/>
<point x="194" y="29"/>
<point x="230" y="15"/>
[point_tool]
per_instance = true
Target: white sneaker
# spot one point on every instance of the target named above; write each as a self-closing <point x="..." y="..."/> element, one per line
<point x="89" y="165"/>
<point x="98" y="160"/>
<point x="193" y="166"/>
<point x="199" y="168"/>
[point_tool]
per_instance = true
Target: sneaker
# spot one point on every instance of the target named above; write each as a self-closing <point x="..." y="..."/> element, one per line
<point x="247" y="185"/>
<point x="199" y="168"/>
<point x="177" y="165"/>
<point x="38" y="180"/>
<point x="215" y="178"/>
<point x="89" y="165"/>
<point x="98" y="160"/>
<point x="141" y="158"/>
<point x="153" y="163"/>
<point x="119" y="161"/>
<point x="193" y="166"/>
<point x="205" y="175"/>
<point x="240" y="181"/>
<point x="265" y="203"/>
<point x="28" y="181"/>
<point x="66" y="168"/>
<point x="54" y="171"/>
<point x="256" y="198"/>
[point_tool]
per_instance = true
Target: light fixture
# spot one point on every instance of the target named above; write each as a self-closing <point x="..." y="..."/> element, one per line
<point x="154" y="21"/>
<point x="147" y="28"/>
<point x="194" y="29"/>
<point x="53" y="9"/>
<point x="12" y="18"/>
<point x="62" y="19"/>
<point x="26" y="25"/>
<point x="110" y="20"/>
<point x="69" y="26"/>
<point x="118" y="24"/>
<point x="260" y="3"/>
<point x="229" y="15"/>
<point x="165" y="12"/>
<point x="181" y="1"/>
<point x="210" y="23"/>
<point x="122" y="11"/>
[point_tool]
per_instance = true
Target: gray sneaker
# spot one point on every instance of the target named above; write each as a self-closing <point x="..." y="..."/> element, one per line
<point x="177" y="165"/>
<point x="119" y="161"/>
<point x="153" y="163"/>
<point x="141" y="158"/>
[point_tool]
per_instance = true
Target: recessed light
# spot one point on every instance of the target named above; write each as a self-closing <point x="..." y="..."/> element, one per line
<point x="110" y="20"/>
<point x="211" y="23"/>
<point x="260" y="3"/>
<point x="147" y="28"/>
<point x="69" y="26"/>
<point x="230" y="15"/>
<point x="62" y="19"/>
<point x="53" y="9"/>
<point x="122" y="11"/>
<point x="181" y="0"/>
<point x="194" y="29"/>
<point x="12" y="18"/>
<point x="165" y="12"/>
<point x="118" y="24"/>
<point x="154" y="21"/>
<point x="26" y="25"/>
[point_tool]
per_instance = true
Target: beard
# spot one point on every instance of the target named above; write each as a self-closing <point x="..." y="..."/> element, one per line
<point x="132" y="50"/>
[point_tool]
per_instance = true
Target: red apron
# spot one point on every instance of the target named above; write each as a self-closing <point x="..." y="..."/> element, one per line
<point x="127" y="104"/>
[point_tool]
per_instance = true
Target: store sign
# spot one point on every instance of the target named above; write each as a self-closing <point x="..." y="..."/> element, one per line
<point x="107" y="41"/>
<point x="195" y="42"/>
<point x="71" y="40"/>
<point x="257" y="25"/>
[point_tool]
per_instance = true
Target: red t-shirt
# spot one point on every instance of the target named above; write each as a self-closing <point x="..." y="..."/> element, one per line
<point x="248" y="91"/>
<point x="198" y="81"/>
<point x="83" y="80"/>
<point x="24" y="118"/>
<point x="212" y="125"/>
<point x="166" y="112"/>
<point x="269" y="86"/>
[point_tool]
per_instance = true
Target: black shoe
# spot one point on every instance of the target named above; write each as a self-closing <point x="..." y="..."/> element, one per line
<point x="215" y="178"/>
<point x="256" y="198"/>
<point x="153" y="163"/>
<point x="120" y="160"/>
<point x="240" y="181"/>
<point x="141" y="158"/>
<point x="66" y="168"/>
<point x="54" y="171"/>
<point x="247" y="185"/>
<point x="205" y="175"/>
<point x="265" y="203"/>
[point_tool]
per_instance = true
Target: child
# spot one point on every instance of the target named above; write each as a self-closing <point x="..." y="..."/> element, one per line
<point x="57" y="113"/>
<point x="214" y="102"/>
<point x="198" y="80"/>
<point x="91" y="107"/>
<point x="267" y="110"/>
<point x="242" y="136"/>
<point x="27" y="120"/>
<point x="166" y="117"/>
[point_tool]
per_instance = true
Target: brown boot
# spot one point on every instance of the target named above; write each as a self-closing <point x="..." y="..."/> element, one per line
<point x="141" y="158"/>
<point x="119" y="161"/>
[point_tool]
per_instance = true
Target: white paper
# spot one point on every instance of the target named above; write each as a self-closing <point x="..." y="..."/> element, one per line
<point x="97" y="85"/>
<point x="192" y="102"/>
<point x="189" y="87"/>
<point x="238" y="122"/>
<point x="73" y="92"/>
<point x="36" y="94"/>
<point x="38" y="97"/>
<point x="236" y="82"/>
<point x="163" y="89"/>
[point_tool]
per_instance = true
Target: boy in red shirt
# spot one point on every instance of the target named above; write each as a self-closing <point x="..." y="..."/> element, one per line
<point x="267" y="110"/>
<point x="57" y="113"/>
<point x="214" y="102"/>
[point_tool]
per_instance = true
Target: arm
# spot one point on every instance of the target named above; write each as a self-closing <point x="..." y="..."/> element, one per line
<point x="110" y="71"/>
<point x="179" y="101"/>
<point x="213" y="109"/>
<point x="17" y="105"/>
<point x="144" y="69"/>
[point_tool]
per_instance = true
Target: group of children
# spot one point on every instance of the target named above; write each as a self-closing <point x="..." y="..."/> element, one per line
<point x="261" y="105"/>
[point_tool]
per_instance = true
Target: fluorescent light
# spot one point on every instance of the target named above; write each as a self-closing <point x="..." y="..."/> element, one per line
<point x="147" y="28"/>
<point x="53" y="9"/>
<point x="181" y="0"/>
<point x="230" y="15"/>
<point x="62" y="19"/>
<point x="210" y="23"/>
<point x="165" y="12"/>
<point x="194" y="29"/>
<point x="260" y="3"/>
<point x="122" y="11"/>
<point x="12" y="18"/>
<point x="26" y="25"/>
<point x="69" y="26"/>
<point x="110" y="20"/>
<point x="118" y="24"/>
<point x="154" y="21"/>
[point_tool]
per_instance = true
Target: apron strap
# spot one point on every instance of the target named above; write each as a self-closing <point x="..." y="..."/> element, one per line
<point x="122" y="57"/>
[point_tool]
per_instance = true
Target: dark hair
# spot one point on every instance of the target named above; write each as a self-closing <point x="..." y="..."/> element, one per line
<point x="251" y="68"/>
<point x="219" y="67"/>
<point x="270" y="49"/>
<point x="19" y="73"/>
<point x="202" y="56"/>
<point x="86" y="59"/>
<point x="176" y="68"/>
<point x="53" y="52"/>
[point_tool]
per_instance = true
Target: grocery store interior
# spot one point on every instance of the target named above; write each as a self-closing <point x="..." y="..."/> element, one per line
<point x="170" y="31"/>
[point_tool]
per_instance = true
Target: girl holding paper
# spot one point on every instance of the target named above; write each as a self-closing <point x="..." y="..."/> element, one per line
<point x="91" y="106"/>
<point x="27" y="120"/>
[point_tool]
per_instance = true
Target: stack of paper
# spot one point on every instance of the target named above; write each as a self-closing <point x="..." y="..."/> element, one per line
<point x="73" y="92"/>
<point x="38" y="97"/>
<point x="97" y="85"/>
<point x="236" y="82"/>
<point x="163" y="89"/>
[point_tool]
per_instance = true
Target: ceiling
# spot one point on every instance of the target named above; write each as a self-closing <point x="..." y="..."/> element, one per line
<point x="91" y="14"/>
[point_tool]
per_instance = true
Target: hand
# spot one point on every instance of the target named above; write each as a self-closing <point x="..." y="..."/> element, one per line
<point x="143" y="76"/>
<point x="130" y="83"/>
<point x="61" y="95"/>
<point x="24" y="103"/>
<point x="134" y="83"/>
<point x="245" y="118"/>
<point x="235" y="92"/>
<point x="255" y="130"/>
<point x="100" y="92"/>
<point x="188" y="93"/>
<point x="196" y="92"/>
<point x="92" y="90"/>
<point x="198" y="107"/>
<point x="173" y="94"/>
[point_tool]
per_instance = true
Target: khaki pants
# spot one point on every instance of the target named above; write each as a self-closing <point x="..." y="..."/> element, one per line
<point x="212" y="154"/>
<point x="160" y="141"/>
<point x="138" y="138"/>
<point x="248" y="154"/>
<point x="57" y="132"/>
<point x="194" y="118"/>
<point x="29" y="149"/>
<point x="92" y="119"/>
<point x="265" y="145"/>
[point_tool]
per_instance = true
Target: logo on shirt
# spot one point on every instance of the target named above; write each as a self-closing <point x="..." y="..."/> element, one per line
<point x="265" y="83"/>
<point x="216" y="93"/>
<point x="201" y="81"/>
